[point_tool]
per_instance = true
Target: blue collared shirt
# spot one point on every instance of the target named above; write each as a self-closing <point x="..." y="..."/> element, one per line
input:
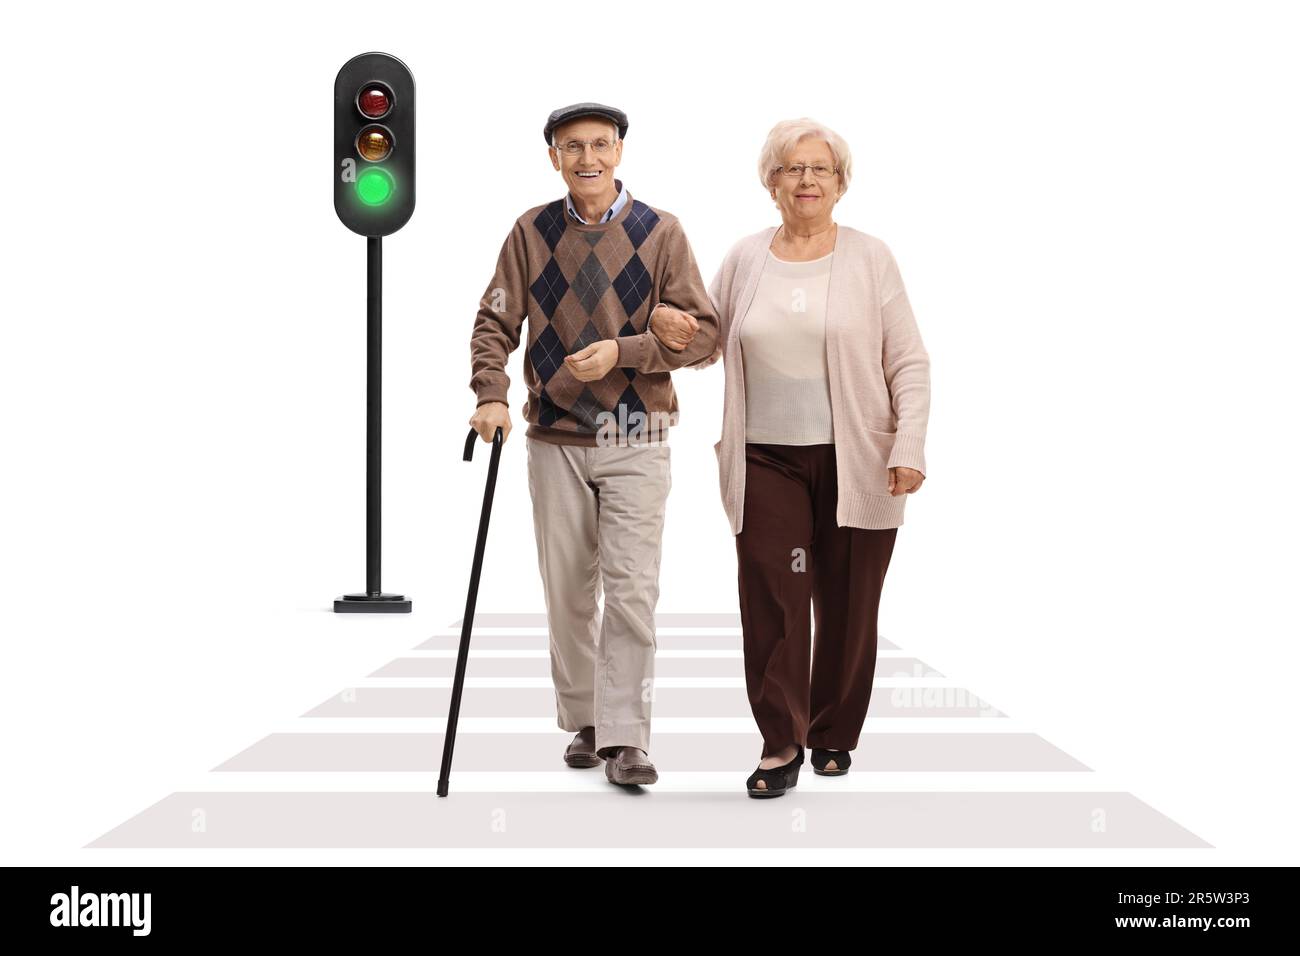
<point x="613" y="210"/>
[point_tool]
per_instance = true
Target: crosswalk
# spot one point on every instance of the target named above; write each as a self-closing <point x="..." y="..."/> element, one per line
<point x="936" y="766"/>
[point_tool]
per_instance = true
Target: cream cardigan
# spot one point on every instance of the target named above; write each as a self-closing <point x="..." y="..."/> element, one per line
<point x="878" y="367"/>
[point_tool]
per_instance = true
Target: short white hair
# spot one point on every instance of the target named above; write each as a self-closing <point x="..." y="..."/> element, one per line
<point x="786" y="134"/>
<point x="555" y="133"/>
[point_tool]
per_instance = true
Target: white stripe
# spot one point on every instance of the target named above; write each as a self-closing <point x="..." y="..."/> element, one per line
<point x="718" y="683"/>
<point x="539" y="631"/>
<point x="573" y="781"/>
<point x="673" y="725"/>
<point x="530" y="652"/>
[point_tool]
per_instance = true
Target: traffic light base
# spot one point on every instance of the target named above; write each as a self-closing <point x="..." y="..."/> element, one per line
<point x="373" y="603"/>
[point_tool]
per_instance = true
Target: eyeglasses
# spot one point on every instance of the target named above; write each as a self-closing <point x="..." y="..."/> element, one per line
<point x="821" y="172"/>
<point x="575" y="146"/>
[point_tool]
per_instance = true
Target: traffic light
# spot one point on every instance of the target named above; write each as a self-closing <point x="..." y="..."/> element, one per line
<point x="374" y="195"/>
<point x="374" y="144"/>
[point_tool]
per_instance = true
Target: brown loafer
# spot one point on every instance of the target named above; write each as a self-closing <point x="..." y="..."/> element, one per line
<point x="582" y="751"/>
<point x="630" y="765"/>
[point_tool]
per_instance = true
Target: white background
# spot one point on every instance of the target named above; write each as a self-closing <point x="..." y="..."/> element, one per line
<point x="1094" y="209"/>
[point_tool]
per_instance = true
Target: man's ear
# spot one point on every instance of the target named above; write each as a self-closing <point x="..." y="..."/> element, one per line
<point x="555" y="156"/>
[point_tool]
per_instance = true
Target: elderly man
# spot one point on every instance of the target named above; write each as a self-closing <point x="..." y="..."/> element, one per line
<point x="586" y="271"/>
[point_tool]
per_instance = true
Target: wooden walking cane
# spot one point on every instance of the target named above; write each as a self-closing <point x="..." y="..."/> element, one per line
<point x="453" y="710"/>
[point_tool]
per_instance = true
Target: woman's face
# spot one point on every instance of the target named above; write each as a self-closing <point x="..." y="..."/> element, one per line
<point x="805" y="198"/>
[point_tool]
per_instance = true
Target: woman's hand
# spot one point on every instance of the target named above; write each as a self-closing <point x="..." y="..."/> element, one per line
<point x="673" y="327"/>
<point x="904" y="481"/>
<point x="593" y="362"/>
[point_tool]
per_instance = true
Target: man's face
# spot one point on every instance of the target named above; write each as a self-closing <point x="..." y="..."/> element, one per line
<point x="589" y="174"/>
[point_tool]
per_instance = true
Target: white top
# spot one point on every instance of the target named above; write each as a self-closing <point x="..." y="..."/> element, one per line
<point x="783" y="344"/>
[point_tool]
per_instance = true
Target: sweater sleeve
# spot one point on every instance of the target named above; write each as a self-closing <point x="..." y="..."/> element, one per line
<point x="681" y="287"/>
<point x="907" y="370"/>
<point x="500" y="318"/>
<point x="720" y="296"/>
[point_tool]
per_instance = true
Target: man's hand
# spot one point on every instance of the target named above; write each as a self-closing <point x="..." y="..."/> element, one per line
<point x="904" y="481"/>
<point x="593" y="362"/>
<point x="673" y="327"/>
<point x="488" y="416"/>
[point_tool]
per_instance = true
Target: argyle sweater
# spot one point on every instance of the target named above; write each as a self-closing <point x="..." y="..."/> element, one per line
<point x="578" y="283"/>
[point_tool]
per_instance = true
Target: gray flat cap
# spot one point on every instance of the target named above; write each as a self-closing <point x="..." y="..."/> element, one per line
<point x="566" y="113"/>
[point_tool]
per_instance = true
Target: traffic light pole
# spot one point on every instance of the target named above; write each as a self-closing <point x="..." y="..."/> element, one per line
<point x="374" y="598"/>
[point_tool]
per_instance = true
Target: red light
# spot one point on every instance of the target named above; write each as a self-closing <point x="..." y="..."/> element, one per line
<point x="374" y="101"/>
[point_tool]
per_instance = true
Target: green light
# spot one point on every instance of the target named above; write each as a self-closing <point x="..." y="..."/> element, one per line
<point x="374" y="187"/>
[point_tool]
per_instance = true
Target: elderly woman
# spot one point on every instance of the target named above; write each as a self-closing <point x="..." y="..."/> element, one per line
<point x="826" y="405"/>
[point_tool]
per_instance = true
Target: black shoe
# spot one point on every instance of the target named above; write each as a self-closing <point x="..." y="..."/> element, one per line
<point x="777" y="780"/>
<point x="821" y="757"/>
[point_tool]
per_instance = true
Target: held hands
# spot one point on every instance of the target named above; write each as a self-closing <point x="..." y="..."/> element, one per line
<point x="487" y="417"/>
<point x="673" y="327"/>
<point x="904" y="480"/>
<point x="593" y="362"/>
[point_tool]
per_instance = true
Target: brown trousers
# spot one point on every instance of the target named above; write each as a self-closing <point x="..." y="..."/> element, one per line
<point x="791" y="551"/>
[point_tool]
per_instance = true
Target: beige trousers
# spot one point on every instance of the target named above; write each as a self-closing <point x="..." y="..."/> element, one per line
<point x="598" y="513"/>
